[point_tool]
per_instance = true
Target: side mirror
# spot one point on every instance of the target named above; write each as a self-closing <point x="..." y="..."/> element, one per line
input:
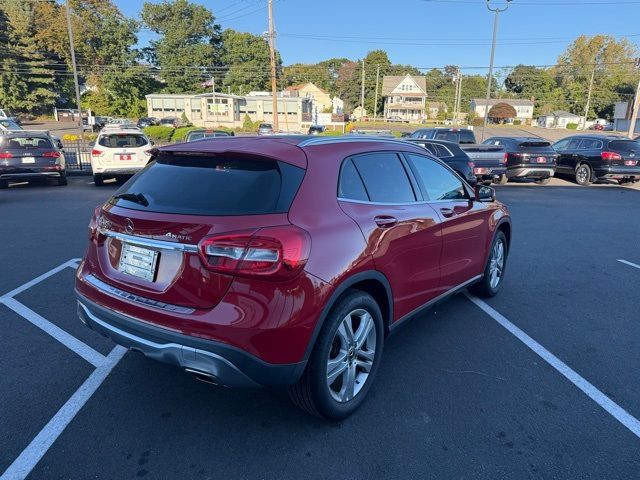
<point x="484" y="193"/>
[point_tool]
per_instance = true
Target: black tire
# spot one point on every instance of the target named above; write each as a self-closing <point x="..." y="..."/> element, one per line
<point x="484" y="288"/>
<point x="312" y="392"/>
<point x="4" y="184"/>
<point x="543" y="181"/>
<point x="62" y="179"/>
<point x="584" y="175"/>
<point x="501" y="180"/>
<point x="98" y="180"/>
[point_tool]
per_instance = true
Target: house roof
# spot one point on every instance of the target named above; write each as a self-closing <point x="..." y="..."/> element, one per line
<point x="514" y="102"/>
<point x="390" y="82"/>
<point x="294" y="88"/>
<point x="562" y="113"/>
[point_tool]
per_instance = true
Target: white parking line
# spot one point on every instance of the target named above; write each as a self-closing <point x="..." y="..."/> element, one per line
<point x="629" y="263"/>
<point x="71" y="263"/>
<point x="30" y="456"/>
<point x="615" y="410"/>
<point x="72" y="343"/>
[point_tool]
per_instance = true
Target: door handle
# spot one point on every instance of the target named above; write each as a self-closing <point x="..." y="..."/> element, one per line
<point x="447" y="212"/>
<point x="385" y="221"/>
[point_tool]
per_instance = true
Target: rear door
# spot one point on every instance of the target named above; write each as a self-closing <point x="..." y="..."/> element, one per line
<point x="402" y="231"/>
<point x="464" y="222"/>
<point x="150" y="229"/>
<point x="568" y="154"/>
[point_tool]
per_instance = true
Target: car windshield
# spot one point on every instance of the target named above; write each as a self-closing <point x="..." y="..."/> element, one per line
<point x="625" y="145"/>
<point x="27" y="143"/>
<point x="217" y="186"/>
<point x="265" y="125"/>
<point x="122" y="140"/>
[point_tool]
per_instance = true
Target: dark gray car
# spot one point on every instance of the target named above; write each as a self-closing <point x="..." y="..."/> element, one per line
<point x="26" y="156"/>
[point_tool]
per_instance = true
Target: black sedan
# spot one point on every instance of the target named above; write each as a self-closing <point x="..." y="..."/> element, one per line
<point x="451" y="154"/>
<point x="26" y="156"/>
<point x="527" y="158"/>
<point x="589" y="158"/>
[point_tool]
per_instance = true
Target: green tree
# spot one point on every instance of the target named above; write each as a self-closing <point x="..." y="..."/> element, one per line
<point x="26" y="79"/>
<point x="246" y="57"/>
<point x="529" y="81"/>
<point x="189" y="45"/>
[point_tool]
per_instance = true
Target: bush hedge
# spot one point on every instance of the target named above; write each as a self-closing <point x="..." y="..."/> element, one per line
<point x="180" y="133"/>
<point x="159" y="134"/>
<point x="517" y="122"/>
<point x="572" y="126"/>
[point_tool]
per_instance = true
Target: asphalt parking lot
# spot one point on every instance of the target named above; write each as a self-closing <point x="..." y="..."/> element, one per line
<point x="540" y="382"/>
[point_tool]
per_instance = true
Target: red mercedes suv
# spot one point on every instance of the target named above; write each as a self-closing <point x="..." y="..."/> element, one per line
<point x="286" y="260"/>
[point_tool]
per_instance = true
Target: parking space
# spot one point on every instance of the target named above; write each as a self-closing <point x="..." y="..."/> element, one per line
<point x="539" y="382"/>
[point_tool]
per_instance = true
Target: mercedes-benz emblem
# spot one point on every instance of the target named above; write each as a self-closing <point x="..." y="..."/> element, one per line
<point x="128" y="226"/>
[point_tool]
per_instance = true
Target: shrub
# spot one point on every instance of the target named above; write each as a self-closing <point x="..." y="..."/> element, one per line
<point x="517" y="122"/>
<point x="477" y="122"/>
<point x="180" y="133"/>
<point x="158" y="133"/>
<point x="572" y="126"/>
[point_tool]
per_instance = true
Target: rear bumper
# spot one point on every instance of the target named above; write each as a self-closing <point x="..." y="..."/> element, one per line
<point x="488" y="173"/>
<point x="531" y="171"/>
<point x="218" y="362"/>
<point x="106" y="171"/>
<point x="618" y="172"/>
<point x="28" y="174"/>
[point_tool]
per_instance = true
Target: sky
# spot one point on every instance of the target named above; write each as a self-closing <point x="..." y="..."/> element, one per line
<point x="423" y="33"/>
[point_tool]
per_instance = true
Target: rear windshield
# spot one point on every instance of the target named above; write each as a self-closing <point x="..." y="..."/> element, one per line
<point x="123" y="140"/>
<point x="625" y="145"/>
<point x="28" y="143"/>
<point x="461" y="137"/>
<point x="203" y="185"/>
<point x="10" y="124"/>
<point x="535" y="143"/>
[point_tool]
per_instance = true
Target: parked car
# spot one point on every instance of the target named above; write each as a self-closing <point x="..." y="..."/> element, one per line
<point x="7" y="124"/>
<point x="527" y="158"/>
<point x="202" y="134"/>
<point x="100" y="122"/>
<point x="395" y="119"/>
<point x="372" y="133"/>
<point x="265" y="129"/>
<point x="590" y="158"/>
<point x="30" y="155"/>
<point x="451" y="154"/>
<point x="457" y="135"/>
<point x="120" y="151"/>
<point x="146" y="122"/>
<point x="6" y="114"/>
<point x="316" y="129"/>
<point x="169" y="122"/>
<point x="262" y="272"/>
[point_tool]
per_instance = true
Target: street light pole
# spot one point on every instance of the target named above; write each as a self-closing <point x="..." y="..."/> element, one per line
<point x="497" y="11"/>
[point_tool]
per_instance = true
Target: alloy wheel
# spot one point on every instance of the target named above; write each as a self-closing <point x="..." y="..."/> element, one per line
<point x="351" y="355"/>
<point x="496" y="264"/>
<point x="582" y="174"/>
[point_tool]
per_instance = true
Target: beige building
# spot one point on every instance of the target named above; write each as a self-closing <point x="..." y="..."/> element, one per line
<point x="222" y="110"/>
<point x="405" y="97"/>
<point x="321" y="99"/>
<point x="434" y="108"/>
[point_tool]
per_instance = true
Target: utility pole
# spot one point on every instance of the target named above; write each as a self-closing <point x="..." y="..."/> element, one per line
<point x="75" y="68"/>
<point x="362" y="91"/>
<point x="586" y="108"/>
<point x="375" y="103"/>
<point x="457" y="100"/>
<point x="497" y="11"/>
<point x="272" y="55"/>
<point x="635" y="107"/>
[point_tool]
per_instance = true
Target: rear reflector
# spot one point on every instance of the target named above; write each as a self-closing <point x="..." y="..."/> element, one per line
<point x="608" y="156"/>
<point x="6" y="155"/>
<point x="481" y="171"/>
<point x="273" y="253"/>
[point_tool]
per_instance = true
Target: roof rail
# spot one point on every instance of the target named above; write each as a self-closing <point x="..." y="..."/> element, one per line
<point x="6" y="132"/>
<point x="350" y="139"/>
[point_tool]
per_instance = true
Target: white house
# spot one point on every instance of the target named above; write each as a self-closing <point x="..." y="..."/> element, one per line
<point x="524" y="108"/>
<point x="622" y="117"/>
<point x="404" y="97"/>
<point x="558" y="119"/>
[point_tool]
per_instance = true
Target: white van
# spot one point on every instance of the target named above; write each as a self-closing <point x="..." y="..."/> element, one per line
<point x="120" y="150"/>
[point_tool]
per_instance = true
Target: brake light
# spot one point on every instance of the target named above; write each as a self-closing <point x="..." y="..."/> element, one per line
<point x="96" y="153"/>
<point x="6" y="155"/>
<point x="52" y="154"/>
<point x="608" y="156"/>
<point x="274" y="253"/>
<point x="505" y="158"/>
<point x="93" y="224"/>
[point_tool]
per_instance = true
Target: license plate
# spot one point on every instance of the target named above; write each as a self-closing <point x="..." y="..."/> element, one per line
<point x="541" y="160"/>
<point x="138" y="262"/>
<point x="630" y="163"/>
<point x="28" y="160"/>
<point x="126" y="156"/>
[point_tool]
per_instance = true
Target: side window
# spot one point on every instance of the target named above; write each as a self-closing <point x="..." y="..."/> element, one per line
<point x="384" y="177"/>
<point x="430" y="147"/>
<point x="573" y="144"/>
<point x="438" y="182"/>
<point x="442" y="151"/>
<point x="561" y="145"/>
<point x="590" y="143"/>
<point x="350" y="185"/>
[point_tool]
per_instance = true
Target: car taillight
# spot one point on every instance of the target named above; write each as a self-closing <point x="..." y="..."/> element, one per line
<point x="52" y="154"/>
<point x="272" y="253"/>
<point x="505" y="158"/>
<point x="6" y="155"/>
<point x="608" y="156"/>
<point x="96" y="153"/>
<point x="93" y="224"/>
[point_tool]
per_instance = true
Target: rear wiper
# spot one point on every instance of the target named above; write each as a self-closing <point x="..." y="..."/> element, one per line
<point x="133" y="197"/>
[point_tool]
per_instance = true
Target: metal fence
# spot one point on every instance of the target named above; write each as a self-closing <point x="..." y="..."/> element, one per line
<point x="77" y="155"/>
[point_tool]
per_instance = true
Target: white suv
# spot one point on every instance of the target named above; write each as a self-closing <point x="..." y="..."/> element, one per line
<point x="120" y="150"/>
